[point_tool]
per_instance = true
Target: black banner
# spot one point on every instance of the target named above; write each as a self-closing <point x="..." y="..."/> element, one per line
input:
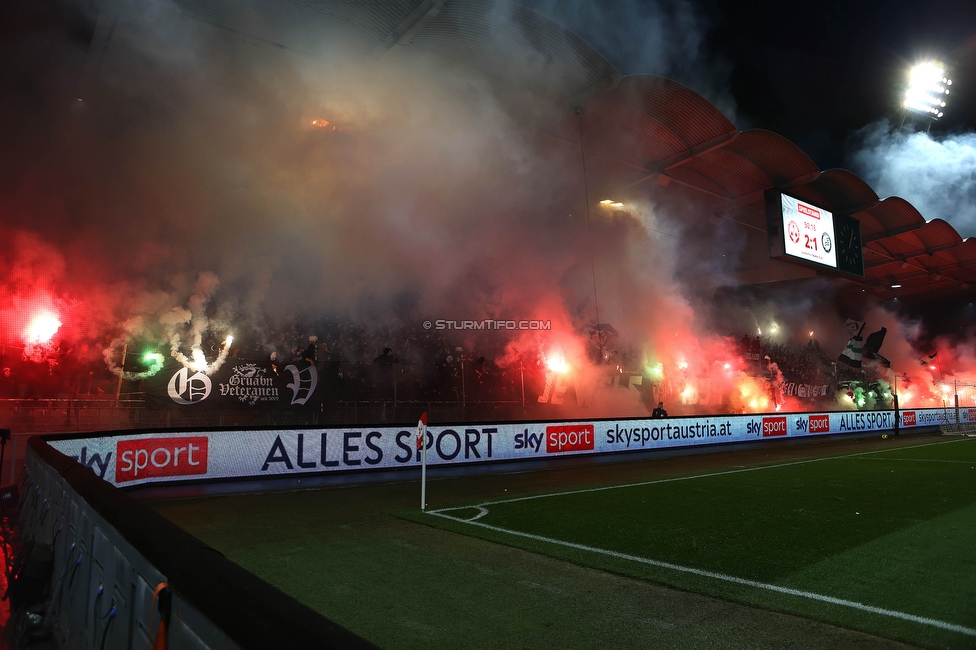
<point x="805" y="390"/>
<point x="237" y="384"/>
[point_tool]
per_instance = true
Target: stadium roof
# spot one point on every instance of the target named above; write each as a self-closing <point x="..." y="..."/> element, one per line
<point x="639" y="132"/>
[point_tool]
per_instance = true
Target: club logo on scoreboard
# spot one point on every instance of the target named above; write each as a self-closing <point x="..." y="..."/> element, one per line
<point x="794" y="232"/>
<point x="825" y="242"/>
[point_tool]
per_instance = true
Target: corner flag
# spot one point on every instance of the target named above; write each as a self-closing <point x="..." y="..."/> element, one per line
<point x="421" y="430"/>
<point x="422" y="447"/>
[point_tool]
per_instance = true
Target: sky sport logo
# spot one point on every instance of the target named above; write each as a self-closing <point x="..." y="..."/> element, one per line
<point x="908" y="419"/>
<point x="819" y="423"/>
<point x="160" y="457"/>
<point x="774" y="426"/>
<point x="574" y="437"/>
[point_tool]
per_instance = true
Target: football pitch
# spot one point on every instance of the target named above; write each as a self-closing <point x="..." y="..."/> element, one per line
<point x="839" y="543"/>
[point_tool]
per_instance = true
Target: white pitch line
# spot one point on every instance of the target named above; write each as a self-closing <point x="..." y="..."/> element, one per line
<point x="688" y="478"/>
<point x="926" y="460"/>
<point x="942" y="625"/>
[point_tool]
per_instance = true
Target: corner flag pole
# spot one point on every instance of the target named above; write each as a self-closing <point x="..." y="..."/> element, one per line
<point x="422" y="446"/>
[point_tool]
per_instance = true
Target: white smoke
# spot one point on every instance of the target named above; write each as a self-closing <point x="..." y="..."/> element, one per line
<point x="195" y="322"/>
<point x="936" y="174"/>
<point x="659" y="37"/>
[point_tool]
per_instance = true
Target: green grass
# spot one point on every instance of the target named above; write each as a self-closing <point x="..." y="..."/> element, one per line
<point x="893" y="529"/>
<point x="358" y="555"/>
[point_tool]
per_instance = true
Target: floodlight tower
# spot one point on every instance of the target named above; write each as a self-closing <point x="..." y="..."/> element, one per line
<point x="925" y="99"/>
<point x="927" y="92"/>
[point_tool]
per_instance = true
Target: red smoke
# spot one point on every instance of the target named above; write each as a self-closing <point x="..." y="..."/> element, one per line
<point x="440" y="197"/>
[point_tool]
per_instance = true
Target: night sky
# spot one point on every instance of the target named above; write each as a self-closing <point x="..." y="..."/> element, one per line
<point x="814" y="72"/>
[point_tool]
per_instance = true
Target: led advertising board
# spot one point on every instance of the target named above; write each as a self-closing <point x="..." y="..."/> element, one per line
<point x="203" y="455"/>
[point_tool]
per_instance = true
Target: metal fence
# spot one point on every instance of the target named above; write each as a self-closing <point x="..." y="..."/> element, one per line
<point x="112" y="555"/>
<point x="62" y="415"/>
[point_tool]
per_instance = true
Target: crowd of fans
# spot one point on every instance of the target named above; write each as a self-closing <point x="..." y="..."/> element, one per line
<point x="808" y="363"/>
<point x="64" y="371"/>
<point x="416" y="364"/>
<point x="360" y="364"/>
<point x="363" y="363"/>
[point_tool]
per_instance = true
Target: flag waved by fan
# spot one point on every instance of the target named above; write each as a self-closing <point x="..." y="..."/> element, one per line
<point x="873" y="344"/>
<point x="853" y="352"/>
<point x="854" y="326"/>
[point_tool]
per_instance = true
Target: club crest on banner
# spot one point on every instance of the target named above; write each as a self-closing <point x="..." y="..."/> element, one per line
<point x="250" y="385"/>
<point x="303" y="383"/>
<point x="184" y="388"/>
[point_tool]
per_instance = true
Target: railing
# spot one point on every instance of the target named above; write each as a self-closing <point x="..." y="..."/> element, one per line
<point x="62" y="415"/>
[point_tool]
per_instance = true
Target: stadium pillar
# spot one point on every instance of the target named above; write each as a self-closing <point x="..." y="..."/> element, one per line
<point x="4" y="437"/>
<point x="118" y="389"/>
<point x="897" y="415"/>
<point x="464" y="398"/>
<point x="522" y="380"/>
<point x="955" y="391"/>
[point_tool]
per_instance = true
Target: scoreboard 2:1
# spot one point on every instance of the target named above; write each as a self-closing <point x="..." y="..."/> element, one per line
<point x="802" y="232"/>
<point x="809" y="231"/>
